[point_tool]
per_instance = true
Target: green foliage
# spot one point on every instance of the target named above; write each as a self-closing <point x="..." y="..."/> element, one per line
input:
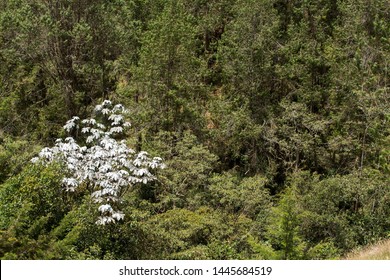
<point x="284" y="230"/>
<point x="323" y="251"/>
<point x="58" y="58"/>
<point x="189" y="167"/>
<point x="272" y="116"/>
<point x="32" y="204"/>
<point x="182" y="229"/>
<point x="246" y="197"/>
<point x="14" y="154"/>
<point x="167" y="84"/>
<point x="206" y="234"/>
<point x="350" y="209"/>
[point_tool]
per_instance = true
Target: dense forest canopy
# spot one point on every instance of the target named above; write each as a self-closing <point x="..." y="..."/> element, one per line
<point x="272" y="118"/>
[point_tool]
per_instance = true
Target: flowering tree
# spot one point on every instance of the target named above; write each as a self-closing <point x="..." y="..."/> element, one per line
<point x="103" y="162"/>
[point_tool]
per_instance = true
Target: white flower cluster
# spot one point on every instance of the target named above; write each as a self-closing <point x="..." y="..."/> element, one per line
<point x="105" y="163"/>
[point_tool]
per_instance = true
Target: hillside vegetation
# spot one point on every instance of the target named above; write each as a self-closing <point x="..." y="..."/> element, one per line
<point x="271" y="118"/>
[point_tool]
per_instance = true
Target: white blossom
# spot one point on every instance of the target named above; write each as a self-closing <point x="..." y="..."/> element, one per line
<point x="70" y="184"/>
<point x="118" y="108"/>
<point x="101" y="126"/>
<point x="89" y="121"/>
<point x="105" y="208"/>
<point x="105" y="163"/>
<point x="116" y="129"/>
<point x="71" y="124"/>
<point x="90" y="139"/>
<point x="106" y="103"/>
<point x="46" y="153"/>
<point x="85" y="130"/>
<point x="98" y="108"/>
<point x="105" y="111"/>
<point x="105" y="220"/>
<point x="115" y="118"/>
<point x="118" y="216"/>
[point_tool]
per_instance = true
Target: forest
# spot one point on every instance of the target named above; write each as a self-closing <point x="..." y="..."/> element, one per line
<point x="260" y="129"/>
